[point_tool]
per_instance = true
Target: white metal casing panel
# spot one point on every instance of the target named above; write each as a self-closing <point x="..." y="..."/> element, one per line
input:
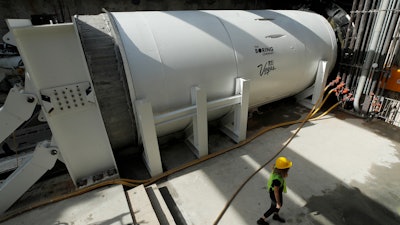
<point x="54" y="59"/>
<point x="167" y="60"/>
<point x="170" y="52"/>
<point x="267" y="54"/>
<point x="164" y="71"/>
<point x="278" y="51"/>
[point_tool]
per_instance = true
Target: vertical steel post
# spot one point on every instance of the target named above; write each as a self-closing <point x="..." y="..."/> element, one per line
<point x="199" y="138"/>
<point x="147" y="130"/>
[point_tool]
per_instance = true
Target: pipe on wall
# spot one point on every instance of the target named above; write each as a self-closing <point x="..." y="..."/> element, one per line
<point x="395" y="43"/>
<point x="376" y="67"/>
<point x="386" y="42"/>
<point x="349" y="30"/>
<point x="371" y="53"/>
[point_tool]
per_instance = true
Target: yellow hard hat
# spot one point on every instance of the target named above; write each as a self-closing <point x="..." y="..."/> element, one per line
<point x="283" y="163"/>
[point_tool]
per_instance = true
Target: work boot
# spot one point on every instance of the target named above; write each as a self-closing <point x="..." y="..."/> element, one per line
<point x="261" y="221"/>
<point x="278" y="218"/>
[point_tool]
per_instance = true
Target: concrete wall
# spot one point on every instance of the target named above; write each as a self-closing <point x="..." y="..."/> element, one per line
<point x="64" y="9"/>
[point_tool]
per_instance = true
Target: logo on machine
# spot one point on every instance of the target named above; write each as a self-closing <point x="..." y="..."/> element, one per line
<point x="266" y="68"/>
<point x="263" y="50"/>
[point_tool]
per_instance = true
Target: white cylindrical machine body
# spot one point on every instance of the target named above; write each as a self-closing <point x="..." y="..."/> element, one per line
<point x="167" y="53"/>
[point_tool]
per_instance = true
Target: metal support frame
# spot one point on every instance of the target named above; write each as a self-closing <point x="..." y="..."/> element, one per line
<point x="11" y="163"/>
<point x="17" y="108"/>
<point x="199" y="136"/>
<point x="43" y="159"/>
<point x="317" y="89"/>
<point x="198" y="112"/>
<point x="148" y="133"/>
<point x="236" y="128"/>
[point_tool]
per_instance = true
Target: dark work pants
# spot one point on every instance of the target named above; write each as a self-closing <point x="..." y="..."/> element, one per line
<point x="273" y="208"/>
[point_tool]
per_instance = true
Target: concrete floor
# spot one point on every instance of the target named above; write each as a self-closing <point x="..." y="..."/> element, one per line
<point x="105" y="206"/>
<point x="345" y="172"/>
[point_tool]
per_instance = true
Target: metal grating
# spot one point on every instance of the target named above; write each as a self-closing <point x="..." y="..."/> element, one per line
<point x="390" y="111"/>
<point x="108" y="77"/>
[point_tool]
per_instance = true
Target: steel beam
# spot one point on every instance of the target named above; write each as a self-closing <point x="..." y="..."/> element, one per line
<point x="43" y="159"/>
<point x="145" y="120"/>
<point x="199" y="137"/>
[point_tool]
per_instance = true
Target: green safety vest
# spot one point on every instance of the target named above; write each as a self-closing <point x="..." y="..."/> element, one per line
<point x="275" y="176"/>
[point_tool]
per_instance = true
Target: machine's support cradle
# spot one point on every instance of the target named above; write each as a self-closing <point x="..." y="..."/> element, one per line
<point x="316" y="90"/>
<point x="147" y="130"/>
<point x="235" y="129"/>
<point x="199" y="137"/>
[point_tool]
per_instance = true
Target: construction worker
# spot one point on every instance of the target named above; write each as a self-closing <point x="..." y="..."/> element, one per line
<point x="276" y="186"/>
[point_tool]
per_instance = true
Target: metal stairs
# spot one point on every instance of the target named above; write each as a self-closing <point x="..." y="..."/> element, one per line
<point x="148" y="206"/>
